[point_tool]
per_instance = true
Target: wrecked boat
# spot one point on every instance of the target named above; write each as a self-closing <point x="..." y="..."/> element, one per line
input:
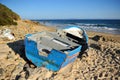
<point x="55" y="50"/>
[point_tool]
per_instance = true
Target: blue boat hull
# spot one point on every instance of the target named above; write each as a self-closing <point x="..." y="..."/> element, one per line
<point x="55" y="60"/>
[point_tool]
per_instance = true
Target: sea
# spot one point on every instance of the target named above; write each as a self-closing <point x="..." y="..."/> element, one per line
<point x="110" y="26"/>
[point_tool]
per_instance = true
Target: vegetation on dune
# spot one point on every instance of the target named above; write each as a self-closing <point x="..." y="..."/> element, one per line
<point x="7" y="16"/>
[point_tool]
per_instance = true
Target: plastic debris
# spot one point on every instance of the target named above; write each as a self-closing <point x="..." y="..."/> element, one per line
<point x="6" y="33"/>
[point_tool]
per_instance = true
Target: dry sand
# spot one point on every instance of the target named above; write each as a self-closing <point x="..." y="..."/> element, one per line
<point x="102" y="62"/>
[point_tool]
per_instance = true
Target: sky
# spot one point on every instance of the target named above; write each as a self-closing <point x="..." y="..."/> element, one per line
<point x="65" y="9"/>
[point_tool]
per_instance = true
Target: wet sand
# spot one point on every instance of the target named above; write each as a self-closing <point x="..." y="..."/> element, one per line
<point x="102" y="61"/>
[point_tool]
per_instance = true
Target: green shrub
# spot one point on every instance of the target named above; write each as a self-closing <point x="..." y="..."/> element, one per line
<point x="7" y="16"/>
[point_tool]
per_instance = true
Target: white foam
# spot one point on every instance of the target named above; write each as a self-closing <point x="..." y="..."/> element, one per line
<point x="89" y="27"/>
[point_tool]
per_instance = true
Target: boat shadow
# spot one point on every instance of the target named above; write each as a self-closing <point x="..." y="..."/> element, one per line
<point x="19" y="48"/>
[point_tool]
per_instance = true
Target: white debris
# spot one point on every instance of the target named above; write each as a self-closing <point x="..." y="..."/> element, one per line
<point x="6" y="33"/>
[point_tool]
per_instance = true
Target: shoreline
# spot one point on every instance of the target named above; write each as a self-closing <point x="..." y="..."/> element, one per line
<point x="107" y="26"/>
<point x="109" y="33"/>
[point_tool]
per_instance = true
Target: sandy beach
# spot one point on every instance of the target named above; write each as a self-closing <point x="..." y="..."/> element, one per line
<point x="102" y="61"/>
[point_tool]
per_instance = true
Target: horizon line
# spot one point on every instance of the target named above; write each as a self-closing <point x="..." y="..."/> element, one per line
<point x="70" y="19"/>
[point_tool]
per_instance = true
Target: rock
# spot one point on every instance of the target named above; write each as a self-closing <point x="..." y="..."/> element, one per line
<point x="97" y="38"/>
<point x="95" y="46"/>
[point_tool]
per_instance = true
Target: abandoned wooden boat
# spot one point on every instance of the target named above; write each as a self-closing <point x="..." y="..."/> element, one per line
<point x="54" y="50"/>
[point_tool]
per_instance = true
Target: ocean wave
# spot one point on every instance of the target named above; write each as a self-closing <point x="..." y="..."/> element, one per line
<point x="89" y="27"/>
<point x="86" y="24"/>
<point x="98" y="28"/>
<point x="102" y="29"/>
